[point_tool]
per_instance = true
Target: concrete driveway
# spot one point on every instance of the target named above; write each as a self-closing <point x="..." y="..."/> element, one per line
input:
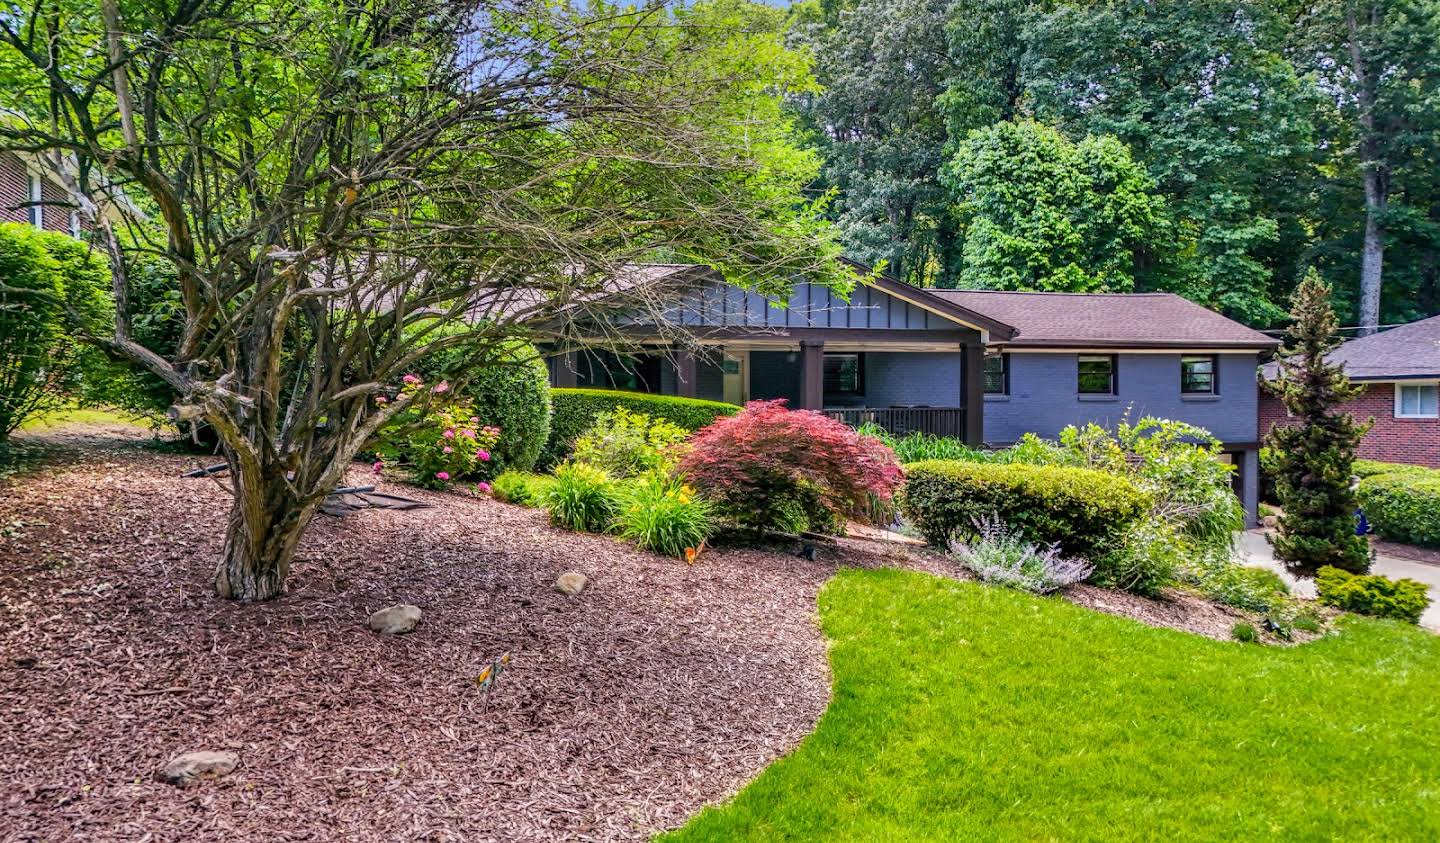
<point x="1256" y="551"/>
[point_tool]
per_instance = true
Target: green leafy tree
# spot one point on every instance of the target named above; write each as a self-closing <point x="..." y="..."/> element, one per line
<point x="1313" y="458"/>
<point x="52" y="289"/>
<point x="1379" y="59"/>
<point x="1043" y="213"/>
<point x="1202" y="95"/>
<point x="326" y="176"/>
<point x="882" y="65"/>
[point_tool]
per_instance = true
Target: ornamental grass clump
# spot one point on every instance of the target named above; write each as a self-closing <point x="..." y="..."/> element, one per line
<point x="770" y="468"/>
<point x="1000" y="555"/>
<point x="582" y="498"/>
<point x="659" y="512"/>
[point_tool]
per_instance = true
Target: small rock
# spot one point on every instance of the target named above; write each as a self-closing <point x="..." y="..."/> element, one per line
<point x="1270" y="521"/>
<point x="396" y="620"/>
<point x="571" y="583"/>
<point x="187" y="768"/>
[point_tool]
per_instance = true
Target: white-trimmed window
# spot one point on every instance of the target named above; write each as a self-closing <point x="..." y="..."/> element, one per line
<point x="1417" y="400"/>
<point x="75" y="224"/>
<point x="35" y="212"/>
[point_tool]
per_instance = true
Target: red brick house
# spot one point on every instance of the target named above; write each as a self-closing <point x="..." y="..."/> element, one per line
<point x="1400" y="372"/>
<point x="30" y="192"/>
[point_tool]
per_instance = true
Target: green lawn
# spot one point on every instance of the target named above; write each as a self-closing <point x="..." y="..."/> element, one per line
<point x="76" y="415"/>
<point x="965" y="712"/>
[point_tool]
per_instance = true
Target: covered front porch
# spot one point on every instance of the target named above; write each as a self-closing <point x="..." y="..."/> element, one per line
<point x="919" y="385"/>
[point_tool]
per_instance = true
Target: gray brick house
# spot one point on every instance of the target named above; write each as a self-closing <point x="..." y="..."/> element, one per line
<point x="984" y="366"/>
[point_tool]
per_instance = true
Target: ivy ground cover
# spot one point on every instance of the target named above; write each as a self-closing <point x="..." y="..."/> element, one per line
<point x="963" y="712"/>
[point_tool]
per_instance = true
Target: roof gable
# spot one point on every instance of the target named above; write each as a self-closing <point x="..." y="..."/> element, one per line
<point x="1409" y="351"/>
<point x="1108" y="320"/>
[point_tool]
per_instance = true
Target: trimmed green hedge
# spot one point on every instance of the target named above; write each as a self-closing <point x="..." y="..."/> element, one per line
<point x="1403" y="507"/>
<point x="575" y="411"/>
<point x="1381" y="597"/>
<point x="1372" y="468"/>
<point x="1084" y="510"/>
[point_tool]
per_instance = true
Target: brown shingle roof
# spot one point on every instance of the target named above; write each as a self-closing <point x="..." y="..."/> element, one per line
<point x="1409" y="351"/>
<point x="1108" y="320"/>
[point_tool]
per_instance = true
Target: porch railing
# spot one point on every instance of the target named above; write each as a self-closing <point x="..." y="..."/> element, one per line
<point x="939" y="421"/>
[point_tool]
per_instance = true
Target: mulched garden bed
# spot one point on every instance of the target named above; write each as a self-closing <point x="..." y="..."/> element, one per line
<point x="662" y="688"/>
<point x="624" y="710"/>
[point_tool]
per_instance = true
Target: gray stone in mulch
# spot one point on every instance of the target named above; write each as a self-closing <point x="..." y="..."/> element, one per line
<point x="571" y="583"/>
<point x="190" y="767"/>
<point x="395" y="620"/>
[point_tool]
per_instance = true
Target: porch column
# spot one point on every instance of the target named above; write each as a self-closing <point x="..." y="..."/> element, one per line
<point x="565" y="370"/>
<point x="972" y="386"/>
<point x="684" y="372"/>
<point x="812" y="375"/>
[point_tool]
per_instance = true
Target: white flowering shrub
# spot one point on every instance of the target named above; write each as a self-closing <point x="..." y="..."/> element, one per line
<point x="998" y="554"/>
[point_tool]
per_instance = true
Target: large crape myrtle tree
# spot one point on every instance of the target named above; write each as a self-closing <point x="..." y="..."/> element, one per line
<point x="1313" y="458"/>
<point x="328" y="178"/>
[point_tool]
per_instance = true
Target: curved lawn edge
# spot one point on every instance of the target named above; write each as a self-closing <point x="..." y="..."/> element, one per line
<point x="962" y="711"/>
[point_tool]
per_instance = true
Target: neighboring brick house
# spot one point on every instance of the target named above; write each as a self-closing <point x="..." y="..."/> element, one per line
<point x="31" y="193"/>
<point x="1400" y="372"/>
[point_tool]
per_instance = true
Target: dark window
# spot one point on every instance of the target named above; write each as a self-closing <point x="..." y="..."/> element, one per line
<point x="997" y="375"/>
<point x="1197" y="375"/>
<point x="608" y="370"/>
<point x="1097" y="375"/>
<point x="844" y="374"/>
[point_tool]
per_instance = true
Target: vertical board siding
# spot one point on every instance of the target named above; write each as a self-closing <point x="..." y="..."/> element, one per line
<point x="807" y="306"/>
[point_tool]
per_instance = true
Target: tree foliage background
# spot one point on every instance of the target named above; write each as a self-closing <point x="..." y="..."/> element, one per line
<point x="1278" y="135"/>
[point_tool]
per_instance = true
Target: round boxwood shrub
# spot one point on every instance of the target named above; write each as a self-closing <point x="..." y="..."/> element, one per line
<point x="1083" y="510"/>
<point x="1404" y="506"/>
<point x="576" y="409"/>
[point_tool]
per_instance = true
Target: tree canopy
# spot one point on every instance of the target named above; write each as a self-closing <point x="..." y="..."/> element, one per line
<point x="323" y="180"/>
<point x="1279" y="135"/>
<point x="1043" y="213"/>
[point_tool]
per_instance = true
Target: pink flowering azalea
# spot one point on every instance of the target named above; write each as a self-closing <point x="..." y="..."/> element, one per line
<point x="482" y="455"/>
<point x="411" y="379"/>
<point x="449" y="433"/>
<point x="441" y="387"/>
<point x="469" y="433"/>
<point x="378" y="467"/>
<point x="381" y="400"/>
<point x="482" y="488"/>
<point x="474" y="420"/>
<point x="448" y="450"/>
<point x="442" y="475"/>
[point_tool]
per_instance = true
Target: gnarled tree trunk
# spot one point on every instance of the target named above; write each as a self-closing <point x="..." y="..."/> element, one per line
<point x="266" y="523"/>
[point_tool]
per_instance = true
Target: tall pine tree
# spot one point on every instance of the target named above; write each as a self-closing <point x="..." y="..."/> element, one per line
<point x="1313" y="458"/>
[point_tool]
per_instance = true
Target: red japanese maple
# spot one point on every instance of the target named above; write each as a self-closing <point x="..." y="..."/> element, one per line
<point x="769" y="466"/>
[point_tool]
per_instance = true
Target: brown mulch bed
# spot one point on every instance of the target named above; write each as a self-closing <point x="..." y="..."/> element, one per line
<point x="1178" y="610"/>
<point x="662" y="688"/>
<point x="1406" y="551"/>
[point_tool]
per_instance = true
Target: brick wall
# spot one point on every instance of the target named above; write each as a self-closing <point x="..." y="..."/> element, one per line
<point x="1414" y="441"/>
<point x="15" y="193"/>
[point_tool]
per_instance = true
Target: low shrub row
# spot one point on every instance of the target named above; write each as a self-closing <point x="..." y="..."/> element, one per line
<point x="1371" y="468"/>
<point x="1083" y="511"/>
<point x="575" y="411"/>
<point x="1381" y="597"/>
<point x="1403" y="506"/>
